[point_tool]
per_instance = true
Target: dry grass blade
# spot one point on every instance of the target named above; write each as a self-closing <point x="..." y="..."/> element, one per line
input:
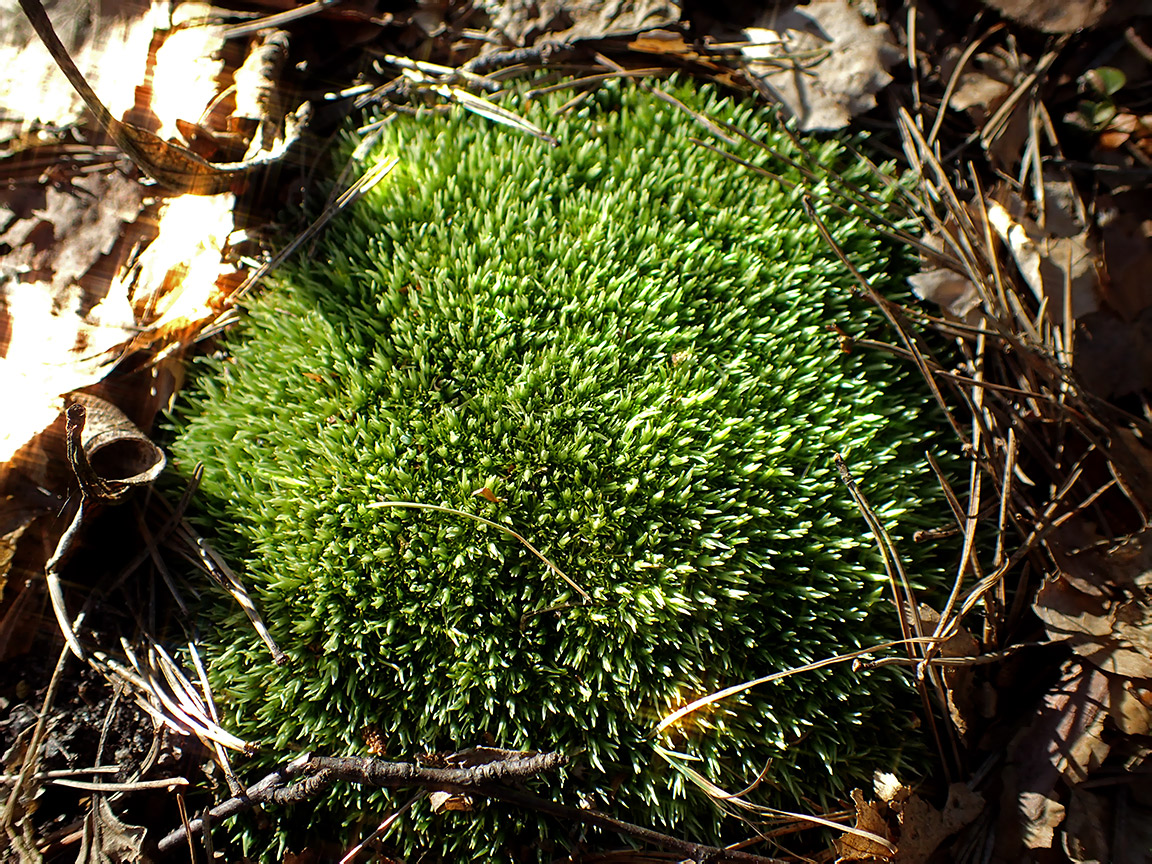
<point x="736" y="689"/>
<point x="349" y="196"/>
<point x="213" y="564"/>
<point x="721" y="797"/>
<point x="505" y="529"/>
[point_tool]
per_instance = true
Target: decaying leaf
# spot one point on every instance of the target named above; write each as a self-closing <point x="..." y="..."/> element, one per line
<point x="959" y="687"/>
<point x="172" y="165"/>
<point x="107" y="840"/>
<point x="1060" y="271"/>
<point x="915" y="827"/>
<point x="525" y="21"/>
<point x="1063" y="16"/>
<point x="870" y="818"/>
<point x="981" y="87"/>
<point x="98" y="269"/>
<point x="63" y="321"/>
<point x="924" y="828"/>
<point x="936" y="283"/>
<point x="822" y="60"/>
<point x="1100" y="603"/>
<point x="1062" y="745"/>
<point x="110" y="42"/>
<point x="1088" y="818"/>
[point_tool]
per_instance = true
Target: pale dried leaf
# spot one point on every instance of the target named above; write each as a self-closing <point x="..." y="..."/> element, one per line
<point x="1063" y="16"/>
<point x="953" y="292"/>
<point x="823" y="61"/>
<point x="525" y="21"/>
<point x="1131" y="707"/>
<point x="887" y="786"/>
<point x="977" y="90"/>
<point x="109" y="42"/>
<point x="1080" y="604"/>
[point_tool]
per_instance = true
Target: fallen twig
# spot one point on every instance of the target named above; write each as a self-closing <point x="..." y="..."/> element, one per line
<point x="309" y="775"/>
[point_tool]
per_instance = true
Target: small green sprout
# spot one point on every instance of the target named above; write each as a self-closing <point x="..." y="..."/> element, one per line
<point x="622" y="348"/>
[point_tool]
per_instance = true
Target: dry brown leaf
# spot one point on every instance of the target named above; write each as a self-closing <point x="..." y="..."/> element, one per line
<point x="1100" y="603"/>
<point x="525" y="21"/>
<point x="1050" y="266"/>
<point x="952" y="291"/>
<point x="822" y="60"/>
<point x="487" y="494"/>
<point x="1086" y="838"/>
<point x="1062" y="744"/>
<point x="447" y="802"/>
<point x="959" y="686"/>
<point x="982" y="85"/>
<point x="1131" y="707"/>
<point x="923" y="828"/>
<point x="853" y="847"/>
<point x="1040" y="816"/>
<point x="1065" y="16"/>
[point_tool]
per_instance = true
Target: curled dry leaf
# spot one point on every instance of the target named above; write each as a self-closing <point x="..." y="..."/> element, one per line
<point x="118" y="453"/>
<point x="822" y="60"/>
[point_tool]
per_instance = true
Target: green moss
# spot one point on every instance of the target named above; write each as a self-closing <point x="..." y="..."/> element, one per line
<point x="626" y="340"/>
